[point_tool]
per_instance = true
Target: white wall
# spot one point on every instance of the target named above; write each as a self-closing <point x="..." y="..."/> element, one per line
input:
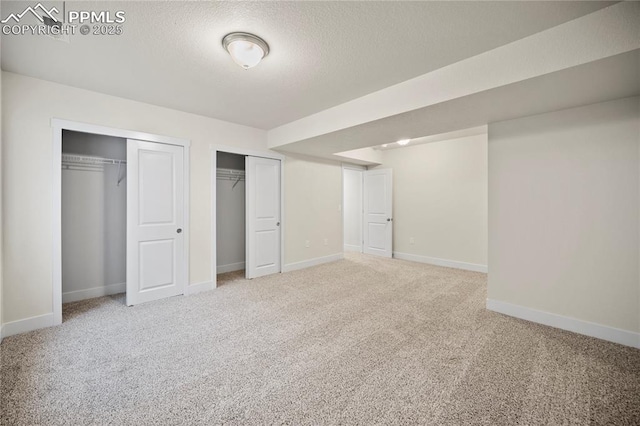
<point x="230" y="216"/>
<point x="564" y="216"/>
<point x="28" y="106"/>
<point x="440" y="201"/>
<point x="94" y="212"/>
<point x="352" y="206"/>
<point x="313" y="196"/>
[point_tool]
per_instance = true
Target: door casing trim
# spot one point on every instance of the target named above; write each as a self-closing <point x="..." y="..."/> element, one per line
<point x="58" y="125"/>
<point x="253" y="153"/>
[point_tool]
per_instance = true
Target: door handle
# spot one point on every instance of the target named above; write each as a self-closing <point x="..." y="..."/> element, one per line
<point x="389" y="219"/>
<point x="179" y="230"/>
<point x="277" y="223"/>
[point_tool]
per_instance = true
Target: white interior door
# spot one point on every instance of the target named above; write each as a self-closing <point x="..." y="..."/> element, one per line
<point x="263" y="216"/>
<point x="378" y="219"/>
<point x="155" y="218"/>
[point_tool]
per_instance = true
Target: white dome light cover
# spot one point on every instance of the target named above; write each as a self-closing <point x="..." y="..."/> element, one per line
<point x="246" y="50"/>
<point x="403" y="142"/>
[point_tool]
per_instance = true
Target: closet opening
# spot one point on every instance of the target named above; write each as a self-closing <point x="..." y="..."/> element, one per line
<point x="230" y="217"/>
<point x="94" y="216"/>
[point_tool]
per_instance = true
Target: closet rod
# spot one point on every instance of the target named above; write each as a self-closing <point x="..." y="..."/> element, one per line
<point x="231" y="178"/>
<point x="230" y="171"/>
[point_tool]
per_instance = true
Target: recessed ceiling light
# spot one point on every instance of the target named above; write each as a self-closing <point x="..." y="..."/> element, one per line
<point x="403" y="142"/>
<point x="246" y="50"/>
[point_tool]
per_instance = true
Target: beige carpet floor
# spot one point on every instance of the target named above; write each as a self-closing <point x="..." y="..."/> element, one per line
<point x="360" y="341"/>
<point x="229" y="277"/>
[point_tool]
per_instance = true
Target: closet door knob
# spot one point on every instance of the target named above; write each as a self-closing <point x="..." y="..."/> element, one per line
<point x="278" y="224"/>
<point x="179" y="230"/>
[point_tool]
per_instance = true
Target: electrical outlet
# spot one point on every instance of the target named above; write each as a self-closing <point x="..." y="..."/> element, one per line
<point x="412" y="240"/>
<point x="326" y="242"/>
<point x="307" y="244"/>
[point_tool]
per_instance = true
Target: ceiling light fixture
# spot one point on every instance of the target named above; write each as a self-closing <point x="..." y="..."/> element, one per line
<point x="384" y="145"/>
<point x="403" y="142"/>
<point x="246" y="50"/>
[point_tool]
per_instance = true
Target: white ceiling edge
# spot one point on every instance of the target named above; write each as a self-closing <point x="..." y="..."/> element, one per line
<point x="374" y="156"/>
<point x="361" y="157"/>
<point x="456" y="134"/>
<point x="599" y="81"/>
<point x="605" y="33"/>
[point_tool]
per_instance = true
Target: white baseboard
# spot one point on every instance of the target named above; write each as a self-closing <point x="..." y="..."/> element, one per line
<point x="27" y="324"/>
<point x="199" y="287"/>
<point x="231" y="267"/>
<point x="90" y="293"/>
<point x="312" y="262"/>
<point x="357" y="249"/>
<point x="611" y="334"/>
<point x="441" y="262"/>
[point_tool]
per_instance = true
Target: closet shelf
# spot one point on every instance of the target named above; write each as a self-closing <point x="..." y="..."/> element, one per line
<point x="75" y="159"/>
<point x="230" y="174"/>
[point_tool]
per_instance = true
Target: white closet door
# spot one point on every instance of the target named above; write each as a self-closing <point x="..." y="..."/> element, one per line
<point x="155" y="210"/>
<point x="378" y="219"/>
<point x="352" y="208"/>
<point x="263" y="216"/>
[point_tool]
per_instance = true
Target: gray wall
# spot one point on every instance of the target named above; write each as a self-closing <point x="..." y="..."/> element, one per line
<point x="1" y="221"/>
<point x="93" y="220"/>
<point x="227" y="160"/>
<point x="230" y="217"/>
<point x="564" y="216"/>
<point x="97" y="145"/>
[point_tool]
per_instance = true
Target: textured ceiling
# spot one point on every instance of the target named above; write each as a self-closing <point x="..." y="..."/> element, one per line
<point x="322" y="53"/>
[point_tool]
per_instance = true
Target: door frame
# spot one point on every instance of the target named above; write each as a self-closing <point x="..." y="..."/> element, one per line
<point x="214" y="165"/>
<point x="58" y="125"/>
